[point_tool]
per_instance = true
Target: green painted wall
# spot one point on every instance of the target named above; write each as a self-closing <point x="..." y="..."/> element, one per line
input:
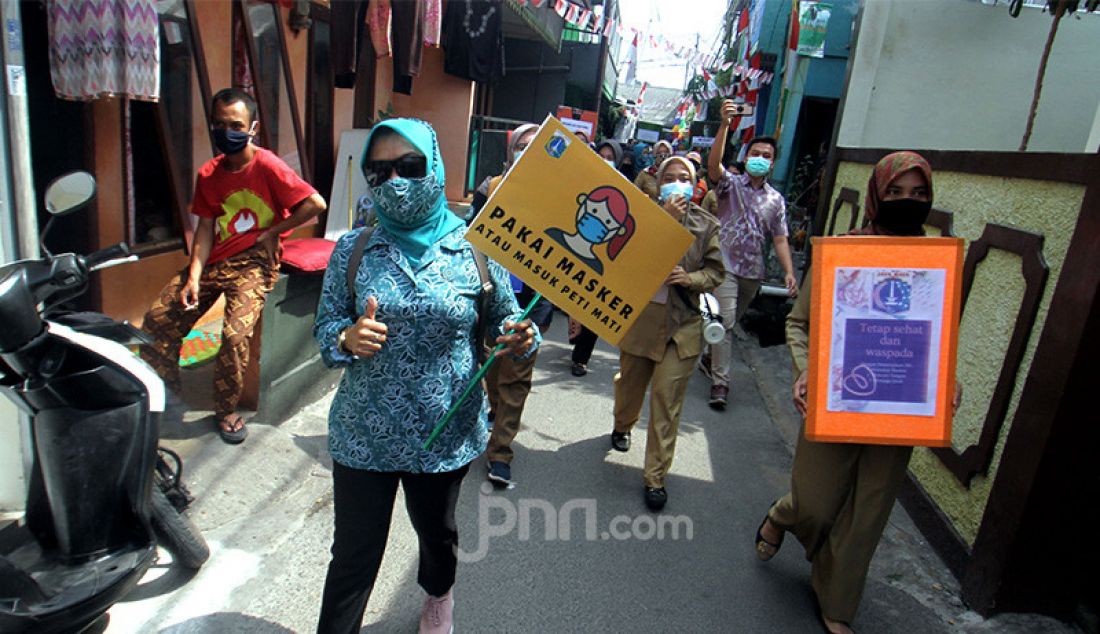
<point x="1041" y="207"/>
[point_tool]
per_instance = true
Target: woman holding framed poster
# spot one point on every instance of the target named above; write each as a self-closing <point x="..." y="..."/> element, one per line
<point x="842" y="492"/>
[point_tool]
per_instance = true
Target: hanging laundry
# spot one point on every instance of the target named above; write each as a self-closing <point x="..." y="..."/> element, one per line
<point x="379" y="17"/>
<point x="407" y="35"/>
<point x="348" y="19"/>
<point x="104" y="48"/>
<point x="242" y="68"/>
<point x="433" y="22"/>
<point x="473" y="40"/>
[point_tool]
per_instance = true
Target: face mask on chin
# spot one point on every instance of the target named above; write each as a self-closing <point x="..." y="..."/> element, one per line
<point x="903" y="216"/>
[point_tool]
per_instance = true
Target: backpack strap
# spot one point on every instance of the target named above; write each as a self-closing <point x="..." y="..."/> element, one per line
<point x="357" y="257"/>
<point x="487" y="289"/>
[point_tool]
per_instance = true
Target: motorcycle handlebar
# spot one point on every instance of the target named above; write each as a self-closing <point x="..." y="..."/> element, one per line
<point x="98" y="259"/>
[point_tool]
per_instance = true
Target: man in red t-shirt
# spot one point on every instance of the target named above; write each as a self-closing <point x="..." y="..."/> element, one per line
<point x="246" y="199"/>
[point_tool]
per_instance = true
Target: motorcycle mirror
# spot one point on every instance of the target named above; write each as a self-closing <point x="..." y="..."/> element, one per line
<point x="69" y="192"/>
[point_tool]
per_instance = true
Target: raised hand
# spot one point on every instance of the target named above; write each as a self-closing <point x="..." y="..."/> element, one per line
<point x="365" y="337"/>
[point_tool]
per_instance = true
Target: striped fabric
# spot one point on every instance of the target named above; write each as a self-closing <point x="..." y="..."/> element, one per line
<point x="103" y="48"/>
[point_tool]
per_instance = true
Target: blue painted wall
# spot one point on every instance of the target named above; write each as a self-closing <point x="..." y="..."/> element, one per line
<point x="820" y="78"/>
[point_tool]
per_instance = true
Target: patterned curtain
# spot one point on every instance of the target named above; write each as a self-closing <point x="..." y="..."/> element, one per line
<point x="104" y="48"/>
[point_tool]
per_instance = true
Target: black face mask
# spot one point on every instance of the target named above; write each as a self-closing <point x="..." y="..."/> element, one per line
<point x="903" y="216"/>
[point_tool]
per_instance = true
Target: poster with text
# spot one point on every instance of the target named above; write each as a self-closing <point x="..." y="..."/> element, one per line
<point x="884" y="323"/>
<point x="574" y="229"/>
<point x="813" y="24"/>
<point x="883" y="333"/>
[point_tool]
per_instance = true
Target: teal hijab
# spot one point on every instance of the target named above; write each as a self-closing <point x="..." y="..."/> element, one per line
<point x="414" y="238"/>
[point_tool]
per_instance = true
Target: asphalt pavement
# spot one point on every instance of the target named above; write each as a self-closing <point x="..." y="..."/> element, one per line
<point x="569" y="548"/>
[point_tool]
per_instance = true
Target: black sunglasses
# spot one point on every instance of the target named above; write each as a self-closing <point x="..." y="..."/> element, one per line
<point x="408" y="166"/>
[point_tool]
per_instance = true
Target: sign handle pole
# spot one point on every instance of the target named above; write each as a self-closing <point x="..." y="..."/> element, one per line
<point x="477" y="378"/>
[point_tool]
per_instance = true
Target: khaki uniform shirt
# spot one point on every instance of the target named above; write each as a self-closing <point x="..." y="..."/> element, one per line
<point x="673" y="320"/>
<point x="710" y="203"/>
<point x="798" y="328"/>
<point x="648" y="184"/>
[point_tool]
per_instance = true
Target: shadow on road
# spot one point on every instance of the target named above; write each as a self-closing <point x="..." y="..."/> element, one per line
<point x="227" y="622"/>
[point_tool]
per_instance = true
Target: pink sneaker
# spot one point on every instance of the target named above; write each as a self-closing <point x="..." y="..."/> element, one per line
<point x="437" y="615"/>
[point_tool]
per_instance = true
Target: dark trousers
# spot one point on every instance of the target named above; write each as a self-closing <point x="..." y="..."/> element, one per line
<point x="363" y="506"/>
<point x="583" y="346"/>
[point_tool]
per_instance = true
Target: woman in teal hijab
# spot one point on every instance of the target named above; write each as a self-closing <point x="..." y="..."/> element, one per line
<point x="404" y="335"/>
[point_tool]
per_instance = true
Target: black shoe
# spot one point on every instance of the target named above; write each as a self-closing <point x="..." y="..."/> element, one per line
<point x="620" y="441"/>
<point x="655" y="498"/>
<point x="500" y="473"/>
<point x="579" y="369"/>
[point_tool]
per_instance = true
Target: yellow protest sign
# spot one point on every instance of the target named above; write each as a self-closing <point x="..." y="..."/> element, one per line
<point x="574" y="229"/>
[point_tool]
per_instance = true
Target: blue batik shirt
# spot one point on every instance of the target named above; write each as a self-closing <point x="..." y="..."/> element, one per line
<point x="386" y="405"/>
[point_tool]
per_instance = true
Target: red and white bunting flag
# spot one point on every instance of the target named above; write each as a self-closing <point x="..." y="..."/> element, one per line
<point x="522" y="3"/>
<point x="571" y="14"/>
<point x="608" y="27"/>
<point x="559" y="7"/>
<point x="641" y="93"/>
<point x="582" y="22"/>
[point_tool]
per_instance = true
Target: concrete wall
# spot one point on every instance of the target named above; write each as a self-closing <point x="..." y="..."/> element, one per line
<point x="949" y="74"/>
<point x="12" y="485"/>
<point x="1041" y="207"/>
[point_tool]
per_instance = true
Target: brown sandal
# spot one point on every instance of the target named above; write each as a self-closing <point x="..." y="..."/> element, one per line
<point x="765" y="550"/>
<point x="232" y="429"/>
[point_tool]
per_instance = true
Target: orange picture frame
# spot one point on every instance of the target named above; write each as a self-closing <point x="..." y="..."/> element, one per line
<point x="884" y="317"/>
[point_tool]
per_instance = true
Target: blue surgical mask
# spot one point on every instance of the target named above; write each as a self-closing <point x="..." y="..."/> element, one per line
<point x="230" y="141"/>
<point x="407" y="202"/>
<point x="517" y="154"/>
<point x="676" y="189"/>
<point x="758" y="166"/>
<point x="592" y="229"/>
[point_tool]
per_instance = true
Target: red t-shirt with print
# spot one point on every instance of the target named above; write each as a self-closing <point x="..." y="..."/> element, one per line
<point x="245" y="203"/>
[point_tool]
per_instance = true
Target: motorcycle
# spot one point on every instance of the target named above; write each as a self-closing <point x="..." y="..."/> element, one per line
<point x="100" y="493"/>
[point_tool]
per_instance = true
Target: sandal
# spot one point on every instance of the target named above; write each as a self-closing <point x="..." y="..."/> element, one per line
<point x="232" y="429"/>
<point x="828" y="625"/>
<point x="765" y="550"/>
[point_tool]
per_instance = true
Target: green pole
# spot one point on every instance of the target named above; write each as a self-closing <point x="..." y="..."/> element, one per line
<point x="477" y="379"/>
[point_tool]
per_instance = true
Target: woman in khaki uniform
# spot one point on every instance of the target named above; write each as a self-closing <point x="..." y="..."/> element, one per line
<point x="662" y="347"/>
<point x="842" y="493"/>
<point x="647" y="180"/>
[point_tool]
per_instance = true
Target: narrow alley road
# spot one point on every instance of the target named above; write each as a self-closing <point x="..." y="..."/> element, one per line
<point x="570" y="548"/>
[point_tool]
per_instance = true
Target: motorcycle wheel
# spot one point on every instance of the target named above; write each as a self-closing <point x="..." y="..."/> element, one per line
<point x="177" y="533"/>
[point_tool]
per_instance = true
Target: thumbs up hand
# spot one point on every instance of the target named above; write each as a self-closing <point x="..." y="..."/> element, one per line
<point x="365" y="337"/>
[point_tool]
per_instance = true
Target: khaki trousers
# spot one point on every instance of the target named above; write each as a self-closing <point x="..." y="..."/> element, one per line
<point x="840" y="500"/>
<point x="734" y="296"/>
<point x="669" y="379"/>
<point x="508" y="382"/>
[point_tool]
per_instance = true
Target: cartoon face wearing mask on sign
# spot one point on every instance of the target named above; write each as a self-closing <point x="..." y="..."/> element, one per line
<point x="603" y="216"/>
